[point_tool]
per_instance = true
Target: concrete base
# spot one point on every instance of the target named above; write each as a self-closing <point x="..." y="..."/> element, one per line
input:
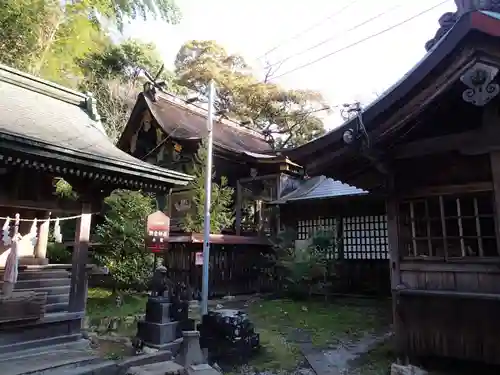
<point x="202" y="369"/>
<point x="162" y="368"/>
<point x="158" y="310"/>
<point x="406" y="370"/>
<point x="157" y="334"/>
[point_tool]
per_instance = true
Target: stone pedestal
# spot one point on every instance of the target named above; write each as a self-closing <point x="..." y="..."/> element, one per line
<point x="190" y="352"/>
<point x="157" y="330"/>
<point x="406" y="370"/>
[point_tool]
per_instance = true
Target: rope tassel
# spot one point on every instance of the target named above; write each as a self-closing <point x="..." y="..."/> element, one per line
<point x="57" y="231"/>
<point x="33" y="232"/>
<point x="6" y="232"/>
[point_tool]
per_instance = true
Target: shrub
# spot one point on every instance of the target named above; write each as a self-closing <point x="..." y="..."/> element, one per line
<point x="122" y="237"/>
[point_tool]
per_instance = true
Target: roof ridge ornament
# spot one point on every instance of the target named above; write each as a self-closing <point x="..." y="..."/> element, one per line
<point x="479" y="80"/>
<point x="91" y="104"/>
<point x="449" y="19"/>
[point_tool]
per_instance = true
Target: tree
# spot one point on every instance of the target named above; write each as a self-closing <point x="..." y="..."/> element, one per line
<point x="289" y="116"/>
<point x="114" y="76"/>
<point x="45" y="37"/>
<point x="221" y="211"/>
<point x="122" y="237"/>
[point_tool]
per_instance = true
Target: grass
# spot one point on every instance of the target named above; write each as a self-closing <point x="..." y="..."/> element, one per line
<point x="327" y="325"/>
<point x="275" y="320"/>
<point x="376" y="362"/>
<point x="101" y="303"/>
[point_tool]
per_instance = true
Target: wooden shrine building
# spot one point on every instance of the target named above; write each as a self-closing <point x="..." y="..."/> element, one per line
<point x="358" y="224"/>
<point x="431" y="145"/>
<point x="49" y="132"/>
<point x="166" y="131"/>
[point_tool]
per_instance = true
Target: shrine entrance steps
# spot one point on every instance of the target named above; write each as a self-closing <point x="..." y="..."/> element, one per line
<point x="53" y="279"/>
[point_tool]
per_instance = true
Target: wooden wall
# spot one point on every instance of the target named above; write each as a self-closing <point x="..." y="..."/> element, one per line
<point x="445" y="304"/>
<point x="362" y="254"/>
<point x="459" y="277"/>
<point x="234" y="269"/>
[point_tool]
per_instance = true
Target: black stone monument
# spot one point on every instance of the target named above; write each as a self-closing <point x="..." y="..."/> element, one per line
<point x="158" y="330"/>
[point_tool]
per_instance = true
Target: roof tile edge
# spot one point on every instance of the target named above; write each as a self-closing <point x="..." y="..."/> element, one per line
<point x="54" y="90"/>
<point x="173" y="99"/>
<point x="33" y="83"/>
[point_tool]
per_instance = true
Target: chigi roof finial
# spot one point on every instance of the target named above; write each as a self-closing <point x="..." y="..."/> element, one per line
<point x="448" y="20"/>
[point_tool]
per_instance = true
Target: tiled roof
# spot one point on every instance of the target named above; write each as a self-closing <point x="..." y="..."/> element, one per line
<point x="321" y="187"/>
<point x="183" y="121"/>
<point x="46" y="115"/>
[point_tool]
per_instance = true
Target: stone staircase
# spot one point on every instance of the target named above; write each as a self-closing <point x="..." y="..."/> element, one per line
<point x="53" y="341"/>
<point x="55" y="280"/>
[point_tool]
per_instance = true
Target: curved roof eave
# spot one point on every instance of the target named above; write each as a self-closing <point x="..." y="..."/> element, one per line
<point x="400" y="89"/>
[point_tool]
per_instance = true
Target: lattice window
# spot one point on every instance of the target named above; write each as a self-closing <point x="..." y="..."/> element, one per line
<point x="365" y="237"/>
<point x="307" y="228"/>
<point x="449" y="226"/>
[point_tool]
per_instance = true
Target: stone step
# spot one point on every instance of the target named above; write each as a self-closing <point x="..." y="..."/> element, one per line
<point x="49" y="290"/>
<point x="35" y="284"/>
<point x="94" y="367"/>
<point x="56" y="307"/>
<point x="12" y="346"/>
<point x="57" y="298"/>
<point x="78" y="344"/>
<point x="40" y="274"/>
<point x="46" y="363"/>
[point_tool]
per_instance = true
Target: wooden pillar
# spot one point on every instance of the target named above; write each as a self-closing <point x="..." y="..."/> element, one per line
<point x="495" y="173"/>
<point x="43" y="238"/>
<point x="78" y="291"/>
<point x="394" y="259"/>
<point x="239" y="203"/>
<point x="491" y="122"/>
<point x="393" y="234"/>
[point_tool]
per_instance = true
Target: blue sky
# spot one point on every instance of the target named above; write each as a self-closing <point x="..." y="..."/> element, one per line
<point x="252" y="27"/>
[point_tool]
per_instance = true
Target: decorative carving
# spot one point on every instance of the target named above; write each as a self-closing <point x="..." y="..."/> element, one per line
<point x="447" y="20"/>
<point x="288" y="184"/>
<point x="481" y="89"/>
<point x="182" y="205"/>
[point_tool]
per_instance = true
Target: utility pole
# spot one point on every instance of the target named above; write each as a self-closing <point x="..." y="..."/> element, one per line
<point x="208" y="197"/>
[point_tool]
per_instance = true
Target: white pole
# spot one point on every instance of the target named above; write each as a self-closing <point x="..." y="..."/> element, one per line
<point x="208" y="194"/>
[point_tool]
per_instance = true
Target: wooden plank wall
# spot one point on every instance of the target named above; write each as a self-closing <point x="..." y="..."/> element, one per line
<point x="446" y="326"/>
<point x="234" y="269"/>
<point x="463" y="277"/>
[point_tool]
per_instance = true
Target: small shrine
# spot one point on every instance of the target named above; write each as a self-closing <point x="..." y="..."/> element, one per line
<point x="167" y="131"/>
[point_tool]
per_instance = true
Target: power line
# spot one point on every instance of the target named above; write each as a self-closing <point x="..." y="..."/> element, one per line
<point x="360" y="41"/>
<point x="336" y="36"/>
<point x="295" y="36"/>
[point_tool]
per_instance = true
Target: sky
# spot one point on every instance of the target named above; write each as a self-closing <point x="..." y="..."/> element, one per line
<point x="290" y="30"/>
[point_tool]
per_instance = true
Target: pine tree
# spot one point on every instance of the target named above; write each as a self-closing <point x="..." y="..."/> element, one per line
<point x="221" y="211"/>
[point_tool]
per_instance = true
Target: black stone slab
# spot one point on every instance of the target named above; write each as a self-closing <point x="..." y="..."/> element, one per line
<point x="157" y="333"/>
<point x="158" y="310"/>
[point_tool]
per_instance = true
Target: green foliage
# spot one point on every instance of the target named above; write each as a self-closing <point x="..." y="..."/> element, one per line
<point x="22" y="23"/>
<point x="290" y="116"/>
<point x="65" y="190"/>
<point x="48" y="38"/>
<point x="303" y="269"/>
<point x="112" y="75"/>
<point x="122" y="238"/>
<point x="221" y="211"/>
<point x="58" y="253"/>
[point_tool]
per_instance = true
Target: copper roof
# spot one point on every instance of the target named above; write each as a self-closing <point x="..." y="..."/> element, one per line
<point x="184" y="121"/>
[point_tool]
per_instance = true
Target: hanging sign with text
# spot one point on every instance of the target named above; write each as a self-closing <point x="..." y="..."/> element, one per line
<point x="157" y="232"/>
<point x="198" y="261"/>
